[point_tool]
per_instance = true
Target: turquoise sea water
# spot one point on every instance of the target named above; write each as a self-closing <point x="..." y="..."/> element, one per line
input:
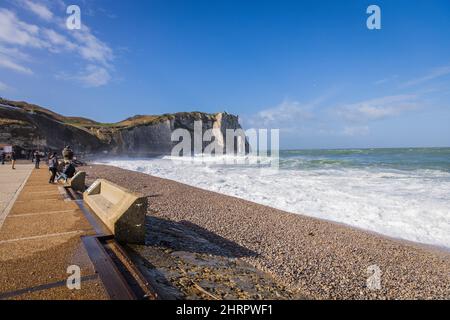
<point x="399" y="158"/>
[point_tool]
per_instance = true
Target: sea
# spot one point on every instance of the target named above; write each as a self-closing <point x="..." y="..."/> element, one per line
<point x="402" y="193"/>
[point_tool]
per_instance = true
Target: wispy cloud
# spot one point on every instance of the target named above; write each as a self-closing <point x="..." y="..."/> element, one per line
<point x="58" y="42"/>
<point x="9" y="63"/>
<point x="385" y="80"/>
<point x="4" y="87"/>
<point x="433" y="74"/>
<point x="107" y="13"/>
<point x="14" y="52"/>
<point x="93" y="76"/>
<point x="355" y="131"/>
<point x="12" y="59"/>
<point x="13" y="31"/>
<point x="285" y="116"/>
<point x="325" y="116"/>
<point x="91" y="48"/>
<point x="17" y="36"/>
<point x="37" y="8"/>
<point x="379" y="108"/>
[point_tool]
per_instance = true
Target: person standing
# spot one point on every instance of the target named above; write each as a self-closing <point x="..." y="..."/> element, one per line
<point x="53" y="167"/>
<point x="3" y="158"/>
<point x="67" y="153"/>
<point x="37" y="160"/>
<point x="13" y="160"/>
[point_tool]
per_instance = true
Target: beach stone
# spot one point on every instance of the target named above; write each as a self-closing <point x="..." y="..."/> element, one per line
<point x="278" y="244"/>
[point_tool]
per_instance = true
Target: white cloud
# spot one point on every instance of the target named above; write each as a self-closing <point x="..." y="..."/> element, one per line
<point x="287" y="115"/>
<point x="17" y="36"/>
<point x="107" y="13"/>
<point x="433" y="74"/>
<point x="37" y="8"/>
<point x="381" y="81"/>
<point x="4" y="87"/>
<point x="356" y="131"/>
<point x="91" y="48"/>
<point x="15" y="32"/>
<point x="14" y="52"/>
<point x="385" y="80"/>
<point x="58" y="41"/>
<point x="93" y="76"/>
<point x="11" y="58"/>
<point x="322" y="117"/>
<point x="379" y="108"/>
<point x="8" y="63"/>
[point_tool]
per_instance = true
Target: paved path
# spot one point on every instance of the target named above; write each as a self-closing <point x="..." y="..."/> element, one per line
<point x="40" y="239"/>
<point x="11" y="182"/>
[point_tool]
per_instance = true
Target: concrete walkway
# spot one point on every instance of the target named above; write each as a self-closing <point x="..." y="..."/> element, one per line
<point x="40" y="239"/>
<point x="11" y="182"/>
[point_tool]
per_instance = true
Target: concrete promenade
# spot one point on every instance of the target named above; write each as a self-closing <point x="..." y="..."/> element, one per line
<point x="40" y="239"/>
<point x="11" y="182"/>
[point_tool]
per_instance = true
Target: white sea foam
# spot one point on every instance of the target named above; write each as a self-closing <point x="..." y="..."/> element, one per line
<point x="412" y="205"/>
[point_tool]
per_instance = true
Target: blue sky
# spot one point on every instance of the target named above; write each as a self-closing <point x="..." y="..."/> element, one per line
<point x="310" y="68"/>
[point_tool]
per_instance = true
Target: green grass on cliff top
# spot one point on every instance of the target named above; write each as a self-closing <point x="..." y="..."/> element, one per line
<point x="86" y="123"/>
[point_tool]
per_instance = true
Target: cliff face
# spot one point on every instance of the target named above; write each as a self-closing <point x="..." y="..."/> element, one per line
<point x="32" y="127"/>
<point x="155" y="137"/>
<point x="34" y="130"/>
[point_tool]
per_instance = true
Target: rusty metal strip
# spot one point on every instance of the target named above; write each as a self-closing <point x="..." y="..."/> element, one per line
<point x="113" y="280"/>
<point x="149" y="290"/>
<point x="114" y="283"/>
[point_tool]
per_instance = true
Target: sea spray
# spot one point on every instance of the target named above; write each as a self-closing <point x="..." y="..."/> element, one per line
<point x="403" y="193"/>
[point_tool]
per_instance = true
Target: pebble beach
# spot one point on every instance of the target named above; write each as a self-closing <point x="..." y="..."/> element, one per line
<point x="317" y="258"/>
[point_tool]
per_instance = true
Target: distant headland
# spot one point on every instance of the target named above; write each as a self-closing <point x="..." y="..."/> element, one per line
<point x="31" y="127"/>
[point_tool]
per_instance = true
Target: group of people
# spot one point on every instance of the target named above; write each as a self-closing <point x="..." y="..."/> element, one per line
<point x="35" y="157"/>
<point x="68" y="170"/>
<point x="58" y="170"/>
<point x="12" y="157"/>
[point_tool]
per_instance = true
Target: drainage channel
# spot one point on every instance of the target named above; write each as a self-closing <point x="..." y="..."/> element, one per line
<point x="121" y="278"/>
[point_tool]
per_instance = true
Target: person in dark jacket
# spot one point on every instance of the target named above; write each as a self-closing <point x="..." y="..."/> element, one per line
<point x="3" y="156"/>
<point x="13" y="160"/>
<point x="37" y="159"/>
<point x="68" y="171"/>
<point x="53" y="167"/>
